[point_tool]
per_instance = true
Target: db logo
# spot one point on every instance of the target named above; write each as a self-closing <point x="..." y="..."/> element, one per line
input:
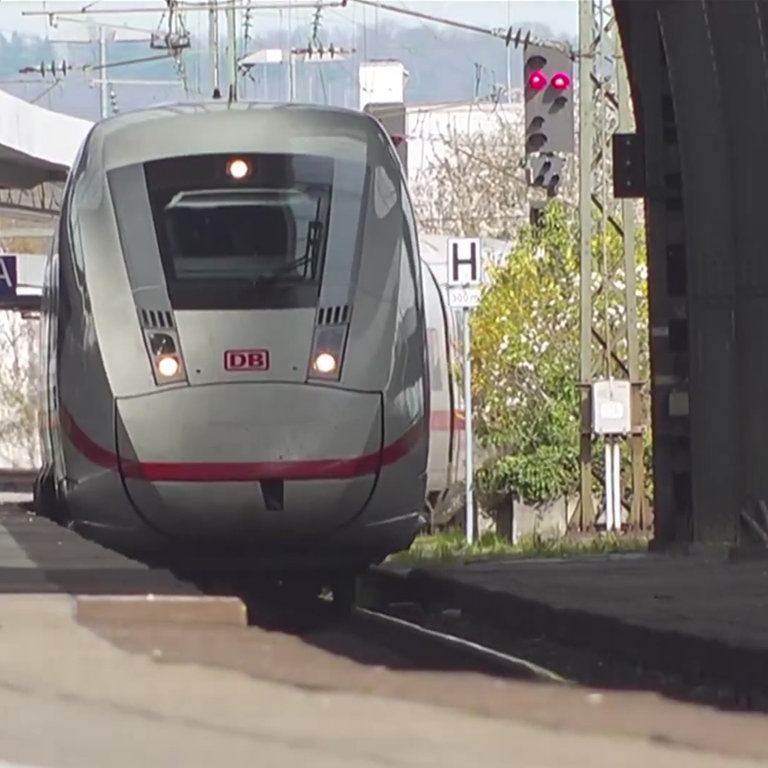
<point x="246" y="360"/>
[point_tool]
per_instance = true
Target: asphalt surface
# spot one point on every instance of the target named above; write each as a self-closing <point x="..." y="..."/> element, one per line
<point x="71" y="698"/>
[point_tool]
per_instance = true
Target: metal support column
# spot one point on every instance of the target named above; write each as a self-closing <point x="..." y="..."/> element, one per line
<point x="213" y="42"/>
<point x="104" y="82"/>
<point x="609" y="338"/>
<point x="231" y="14"/>
<point x="586" y="141"/>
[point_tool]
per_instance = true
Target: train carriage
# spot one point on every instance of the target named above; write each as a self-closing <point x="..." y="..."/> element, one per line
<point x="446" y="447"/>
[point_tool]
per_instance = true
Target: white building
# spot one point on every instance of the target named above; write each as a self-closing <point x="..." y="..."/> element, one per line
<point x="428" y="125"/>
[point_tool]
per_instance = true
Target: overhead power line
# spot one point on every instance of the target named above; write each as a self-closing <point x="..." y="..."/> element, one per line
<point x="65" y="67"/>
<point x="511" y="36"/>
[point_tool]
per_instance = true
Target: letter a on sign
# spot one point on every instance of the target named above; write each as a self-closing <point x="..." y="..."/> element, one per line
<point x="8" y="276"/>
<point x="464" y="261"/>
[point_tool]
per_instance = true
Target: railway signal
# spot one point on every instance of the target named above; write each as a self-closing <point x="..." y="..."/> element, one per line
<point x="546" y="171"/>
<point x="549" y="108"/>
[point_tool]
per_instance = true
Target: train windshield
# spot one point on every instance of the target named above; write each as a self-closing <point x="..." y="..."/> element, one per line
<point x="259" y="235"/>
<point x="253" y="242"/>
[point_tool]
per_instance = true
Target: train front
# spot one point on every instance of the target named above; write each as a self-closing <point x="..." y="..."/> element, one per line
<point x="279" y="392"/>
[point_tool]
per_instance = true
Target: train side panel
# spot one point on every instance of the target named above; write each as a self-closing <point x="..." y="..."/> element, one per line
<point x="458" y="465"/>
<point x="390" y="225"/>
<point x="91" y="487"/>
<point x="441" y="411"/>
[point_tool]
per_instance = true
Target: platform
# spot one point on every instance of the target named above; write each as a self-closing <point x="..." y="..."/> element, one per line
<point x="699" y="616"/>
<point x="38" y="556"/>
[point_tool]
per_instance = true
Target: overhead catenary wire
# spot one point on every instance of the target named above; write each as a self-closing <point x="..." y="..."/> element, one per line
<point x="510" y="36"/>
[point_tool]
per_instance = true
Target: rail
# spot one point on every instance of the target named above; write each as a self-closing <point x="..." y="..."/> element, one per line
<point x="389" y="630"/>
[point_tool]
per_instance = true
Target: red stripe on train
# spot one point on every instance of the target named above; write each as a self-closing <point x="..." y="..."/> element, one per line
<point x="207" y="471"/>
<point x="440" y="421"/>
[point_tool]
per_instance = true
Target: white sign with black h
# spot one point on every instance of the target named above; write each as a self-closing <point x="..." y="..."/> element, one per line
<point x="465" y="279"/>
<point x="465" y="262"/>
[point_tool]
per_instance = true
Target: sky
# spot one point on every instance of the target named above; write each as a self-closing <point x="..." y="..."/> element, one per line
<point x="559" y="15"/>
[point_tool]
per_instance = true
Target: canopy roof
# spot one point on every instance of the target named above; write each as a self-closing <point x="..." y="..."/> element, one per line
<point x="36" y="144"/>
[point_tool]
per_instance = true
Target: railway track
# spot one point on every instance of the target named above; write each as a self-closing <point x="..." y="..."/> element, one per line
<point x="448" y="651"/>
<point x="577" y="663"/>
<point x="380" y="628"/>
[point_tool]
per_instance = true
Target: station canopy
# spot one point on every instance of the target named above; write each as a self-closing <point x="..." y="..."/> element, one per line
<point x="36" y="144"/>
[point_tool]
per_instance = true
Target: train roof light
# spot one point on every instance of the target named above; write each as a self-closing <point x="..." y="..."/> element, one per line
<point x="168" y="366"/>
<point x="537" y="80"/>
<point x="560" y="81"/>
<point x="325" y="362"/>
<point x="238" y="168"/>
<point x="397" y="138"/>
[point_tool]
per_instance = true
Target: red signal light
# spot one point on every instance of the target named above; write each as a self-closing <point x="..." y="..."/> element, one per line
<point x="561" y="81"/>
<point x="397" y="138"/>
<point x="537" y="80"/>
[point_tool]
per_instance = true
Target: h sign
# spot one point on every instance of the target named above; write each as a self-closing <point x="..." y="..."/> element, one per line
<point x="8" y="275"/>
<point x="246" y="360"/>
<point x="464" y="261"/>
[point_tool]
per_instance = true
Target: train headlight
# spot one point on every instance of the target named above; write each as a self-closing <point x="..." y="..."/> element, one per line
<point x="165" y="356"/>
<point x="325" y="363"/>
<point x="327" y="356"/>
<point x="238" y="168"/>
<point x="168" y="366"/>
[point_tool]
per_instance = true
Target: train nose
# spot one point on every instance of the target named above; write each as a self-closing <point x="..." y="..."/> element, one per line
<point x="235" y="461"/>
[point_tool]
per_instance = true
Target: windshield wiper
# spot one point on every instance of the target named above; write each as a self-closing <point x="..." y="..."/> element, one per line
<point x="310" y="258"/>
<point x="259" y="280"/>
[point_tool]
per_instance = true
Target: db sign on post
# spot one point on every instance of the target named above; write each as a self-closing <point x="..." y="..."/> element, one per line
<point x="246" y="360"/>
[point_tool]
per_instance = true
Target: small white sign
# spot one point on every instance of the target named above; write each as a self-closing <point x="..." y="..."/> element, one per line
<point x="464" y="297"/>
<point x="612" y="407"/>
<point x="465" y="261"/>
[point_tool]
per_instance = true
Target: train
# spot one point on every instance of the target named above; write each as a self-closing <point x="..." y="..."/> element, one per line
<point x="235" y="342"/>
<point x="446" y="468"/>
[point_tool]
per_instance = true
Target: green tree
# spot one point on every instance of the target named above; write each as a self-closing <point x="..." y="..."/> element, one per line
<point x="526" y="359"/>
<point x="526" y="362"/>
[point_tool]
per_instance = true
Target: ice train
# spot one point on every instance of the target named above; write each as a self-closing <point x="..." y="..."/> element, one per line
<point x="235" y="325"/>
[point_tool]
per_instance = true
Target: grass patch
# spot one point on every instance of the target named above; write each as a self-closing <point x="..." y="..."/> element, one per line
<point x="450" y="547"/>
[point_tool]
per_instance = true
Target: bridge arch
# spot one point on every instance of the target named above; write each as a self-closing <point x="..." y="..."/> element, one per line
<point x="699" y="77"/>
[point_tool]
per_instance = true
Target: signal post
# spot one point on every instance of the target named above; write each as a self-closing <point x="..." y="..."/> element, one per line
<point x="611" y="403"/>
